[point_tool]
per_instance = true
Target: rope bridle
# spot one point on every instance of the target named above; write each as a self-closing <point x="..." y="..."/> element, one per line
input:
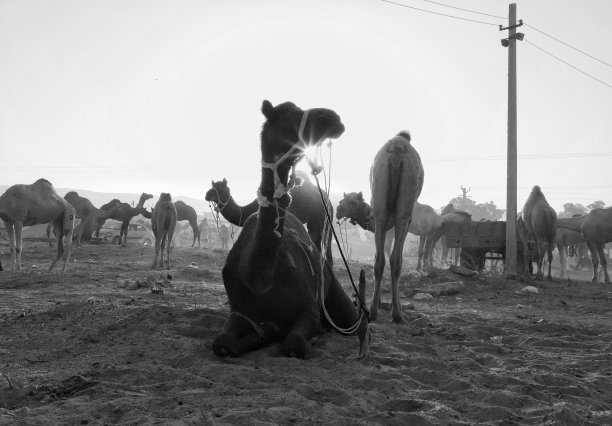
<point x="279" y="188"/>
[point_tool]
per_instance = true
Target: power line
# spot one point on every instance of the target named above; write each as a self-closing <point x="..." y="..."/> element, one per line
<point x="441" y="14"/>
<point x="465" y="10"/>
<point x="566" y="44"/>
<point x="568" y="64"/>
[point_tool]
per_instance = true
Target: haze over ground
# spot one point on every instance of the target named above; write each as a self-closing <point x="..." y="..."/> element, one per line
<point x="150" y="96"/>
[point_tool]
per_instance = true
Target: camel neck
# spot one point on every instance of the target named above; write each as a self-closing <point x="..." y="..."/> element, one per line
<point x="235" y="214"/>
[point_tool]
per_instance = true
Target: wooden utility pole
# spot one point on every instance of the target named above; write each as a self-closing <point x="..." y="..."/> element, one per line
<point x="464" y="191"/>
<point x="511" y="209"/>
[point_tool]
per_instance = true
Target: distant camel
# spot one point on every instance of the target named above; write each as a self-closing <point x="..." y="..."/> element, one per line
<point x="564" y="238"/>
<point x="38" y="203"/>
<point x="425" y="222"/>
<point x="163" y="222"/>
<point x="122" y="212"/>
<point x="596" y="229"/>
<point x="186" y="212"/>
<point x="85" y="211"/>
<point x="277" y="286"/>
<point x="540" y="221"/>
<point x="396" y="180"/>
<point x="449" y="215"/>
<point x="305" y="204"/>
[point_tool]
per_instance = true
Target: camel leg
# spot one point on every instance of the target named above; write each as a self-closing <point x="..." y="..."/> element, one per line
<point x="296" y="343"/>
<point x="124" y="232"/>
<point x="68" y="228"/>
<point x="604" y="262"/>
<point x="170" y="235"/>
<point x="59" y="233"/>
<point x="401" y="230"/>
<point x="594" y="259"/>
<point x="48" y="232"/>
<point x="10" y="230"/>
<point x="379" y="268"/>
<point x="562" y="259"/>
<point x="549" y="250"/>
<point x="164" y="240"/>
<point x="157" y="244"/>
<point x="239" y="336"/>
<point x="422" y="239"/>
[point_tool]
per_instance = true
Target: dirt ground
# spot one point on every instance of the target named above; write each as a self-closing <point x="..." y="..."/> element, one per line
<point x="113" y="342"/>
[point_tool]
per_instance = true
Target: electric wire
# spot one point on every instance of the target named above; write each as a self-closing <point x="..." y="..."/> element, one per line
<point x="441" y="14"/>
<point x="568" y="64"/>
<point x="568" y="45"/>
<point x="465" y="10"/>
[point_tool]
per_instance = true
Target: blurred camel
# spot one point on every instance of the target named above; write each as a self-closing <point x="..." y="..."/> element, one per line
<point x="540" y="221"/>
<point x="425" y="222"/>
<point x="596" y="229"/>
<point x="306" y="205"/>
<point x="163" y="222"/>
<point x="86" y="212"/>
<point x="26" y="205"/>
<point x="122" y="212"/>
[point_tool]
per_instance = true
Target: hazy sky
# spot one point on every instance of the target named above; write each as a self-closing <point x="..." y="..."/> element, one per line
<point x="142" y="95"/>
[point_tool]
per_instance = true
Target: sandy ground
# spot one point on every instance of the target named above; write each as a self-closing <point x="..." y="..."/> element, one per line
<point x="105" y="344"/>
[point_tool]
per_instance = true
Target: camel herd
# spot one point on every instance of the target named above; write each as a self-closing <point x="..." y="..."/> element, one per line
<point x="278" y="275"/>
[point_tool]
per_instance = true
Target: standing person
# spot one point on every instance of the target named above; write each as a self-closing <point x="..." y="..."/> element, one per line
<point x="204" y="232"/>
<point x="224" y="234"/>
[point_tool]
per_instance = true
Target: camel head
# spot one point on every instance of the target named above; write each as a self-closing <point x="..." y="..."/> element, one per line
<point x="353" y="207"/>
<point x="289" y="130"/>
<point x="219" y="193"/>
<point x="144" y="197"/>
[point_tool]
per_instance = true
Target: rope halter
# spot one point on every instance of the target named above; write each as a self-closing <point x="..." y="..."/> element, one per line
<point x="279" y="188"/>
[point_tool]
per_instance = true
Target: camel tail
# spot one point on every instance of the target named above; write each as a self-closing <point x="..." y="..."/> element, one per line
<point x="395" y="172"/>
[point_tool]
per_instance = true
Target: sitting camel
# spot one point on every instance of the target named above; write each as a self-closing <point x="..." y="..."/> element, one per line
<point x="540" y="222"/>
<point x="26" y="205"/>
<point x="277" y="286"/>
<point x="163" y="222"/>
<point x="596" y="230"/>
<point x="85" y="211"/>
<point x="305" y="204"/>
<point x="425" y="222"/>
<point x="396" y="180"/>
<point x="122" y="212"/>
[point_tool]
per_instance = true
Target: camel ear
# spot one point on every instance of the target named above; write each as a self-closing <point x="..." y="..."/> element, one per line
<point x="344" y="195"/>
<point x="224" y="181"/>
<point x="212" y="182"/>
<point x="267" y="108"/>
<point x="360" y="196"/>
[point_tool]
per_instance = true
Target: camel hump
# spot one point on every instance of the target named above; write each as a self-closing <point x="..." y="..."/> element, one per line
<point x="399" y="146"/>
<point x="43" y="181"/>
<point x="405" y="134"/>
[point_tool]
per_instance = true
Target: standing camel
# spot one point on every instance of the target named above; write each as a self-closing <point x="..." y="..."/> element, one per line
<point x="26" y="205"/>
<point x="186" y="212"/>
<point x="85" y="211"/>
<point x="596" y="229"/>
<point x="540" y="221"/>
<point x="425" y="222"/>
<point x="306" y="205"/>
<point x="564" y="238"/>
<point x="122" y="212"/>
<point x="449" y="215"/>
<point x="163" y="222"/>
<point x="277" y="286"/>
<point x="396" y="180"/>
